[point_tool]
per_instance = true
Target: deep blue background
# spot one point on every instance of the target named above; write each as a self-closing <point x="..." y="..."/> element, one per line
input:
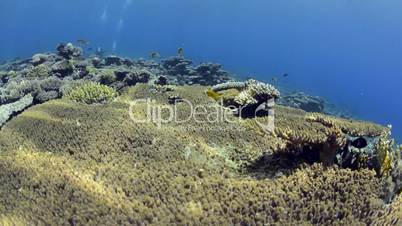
<point x="349" y="51"/>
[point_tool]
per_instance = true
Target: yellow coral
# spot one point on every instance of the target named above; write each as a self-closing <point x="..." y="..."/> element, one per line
<point x="384" y="149"/>
<point x="90" y="93"/>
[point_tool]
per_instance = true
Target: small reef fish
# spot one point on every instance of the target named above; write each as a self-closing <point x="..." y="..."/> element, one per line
<point x="82" y="42"/>
<point x="214" y="95"/>
<point x="275" y="79"/>
<point x="180" y="51"/>
<point x="154" y="55"/>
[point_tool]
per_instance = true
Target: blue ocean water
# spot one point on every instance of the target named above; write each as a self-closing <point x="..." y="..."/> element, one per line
<point x="348" y="51"/>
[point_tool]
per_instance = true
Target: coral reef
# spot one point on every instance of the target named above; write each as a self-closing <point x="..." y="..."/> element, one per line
<point x="62" y="68"/>
<point x="68" y="51"/>
<point x="91" y="93"/>
<point x="251" y="92"/>
<point x="248" y="98"/>
<point x="21" y="77"/>
<point x="8" y="110"/>
<point x="183" y="72"/>
<point x="72" y="161"/>
<point x="38" y="59"/>
<point x="310" y="103"/>
<point x="65" y="163"/>
<point x="38" y="71"/>
<point x="162" y="81"/>
<point x="302" y="101"/>
<point x="256" y="93"/>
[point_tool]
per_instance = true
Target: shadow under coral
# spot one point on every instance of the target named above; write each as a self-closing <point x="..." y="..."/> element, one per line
<point x="272" y="165"/>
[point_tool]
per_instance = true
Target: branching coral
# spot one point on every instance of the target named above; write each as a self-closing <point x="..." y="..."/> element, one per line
<point x="229" y="85"/>
<point x="39" y="71"/>
<point x="257" y="92"/>
<point x="251" y="98"/>
<point x="90" y="93"/>
<point x="315" y="117"/>
<point x="379" y="154"/>
<point x="385" y="153"/>
<point x="251" y="92"/>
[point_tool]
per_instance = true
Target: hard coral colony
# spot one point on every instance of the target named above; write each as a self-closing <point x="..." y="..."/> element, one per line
<point x="81" y="160"/>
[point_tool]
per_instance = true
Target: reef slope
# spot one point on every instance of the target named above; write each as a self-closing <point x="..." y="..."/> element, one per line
<point x="65" y="163"/>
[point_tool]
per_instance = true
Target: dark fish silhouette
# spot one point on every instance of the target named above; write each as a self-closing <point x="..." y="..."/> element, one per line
<point x="154" y="55"/>
<point x="359" y="143"/>
<point x="275" y="79"/>
<point x="82" y="42"/>
<point x="180" y="51"/>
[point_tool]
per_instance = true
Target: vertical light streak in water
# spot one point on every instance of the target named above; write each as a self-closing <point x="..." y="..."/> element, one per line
<point x="104" y="15"/>
<point x="120" y="25"/>
<point x="114" y="46"/>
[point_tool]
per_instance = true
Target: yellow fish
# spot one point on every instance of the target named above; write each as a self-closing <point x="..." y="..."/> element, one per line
<point x="214" y="95"/>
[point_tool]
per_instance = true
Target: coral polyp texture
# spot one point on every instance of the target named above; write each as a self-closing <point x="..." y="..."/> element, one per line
<point x="91" y="93"/>
<point x="64" y="163"/>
